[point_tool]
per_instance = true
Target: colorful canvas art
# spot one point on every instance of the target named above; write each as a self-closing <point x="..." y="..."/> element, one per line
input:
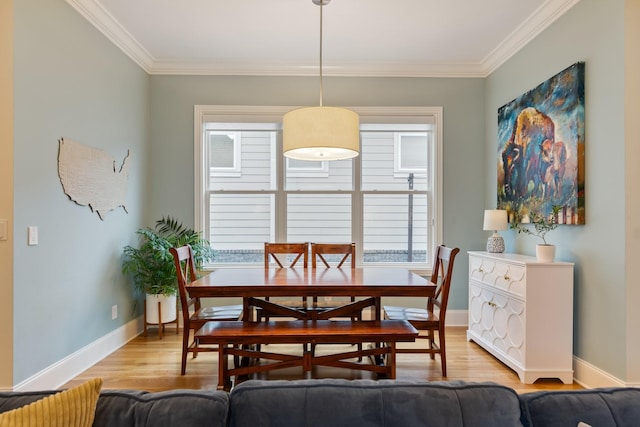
<point x="541" y="150"/>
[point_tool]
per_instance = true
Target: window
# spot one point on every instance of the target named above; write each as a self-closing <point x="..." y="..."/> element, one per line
<point x="223" y="152"/>
<point x="387" y="200"/>
<point x="411" y="153"/>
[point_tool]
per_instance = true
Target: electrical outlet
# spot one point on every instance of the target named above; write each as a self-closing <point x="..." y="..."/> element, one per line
<point x="114" y="312"/>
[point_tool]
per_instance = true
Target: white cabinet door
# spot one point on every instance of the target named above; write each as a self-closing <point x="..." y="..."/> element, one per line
<point x="521" y="311"/>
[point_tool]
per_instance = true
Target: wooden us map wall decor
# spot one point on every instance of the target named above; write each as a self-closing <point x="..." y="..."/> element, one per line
<point x="90" y="177"/>
<point x="541" y="150"/>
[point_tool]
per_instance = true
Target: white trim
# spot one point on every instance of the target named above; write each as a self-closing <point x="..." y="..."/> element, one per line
<point x="74" y="364"/>
<point x="97" y="15"/>
<point x="457" y="318"/>
<point x="590" y="376"/>
<point x="542" y="18"/>
<point x="546" y="14"/>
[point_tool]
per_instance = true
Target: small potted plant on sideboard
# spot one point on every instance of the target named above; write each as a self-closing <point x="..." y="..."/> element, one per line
<point x="542" y="225"/>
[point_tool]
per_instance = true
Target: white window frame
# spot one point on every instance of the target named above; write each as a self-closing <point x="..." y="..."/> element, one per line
<point x="254" y="114"/>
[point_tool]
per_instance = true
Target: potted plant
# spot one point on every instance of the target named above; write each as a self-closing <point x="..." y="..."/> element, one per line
<point x="542" y="225"/>
<point x="152" y="268"/>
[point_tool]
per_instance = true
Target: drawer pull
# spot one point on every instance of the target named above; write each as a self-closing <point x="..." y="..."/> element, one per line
<point x="492" y="304"/>
<point x="481" y="270"/>
<point x="506" y="277"/>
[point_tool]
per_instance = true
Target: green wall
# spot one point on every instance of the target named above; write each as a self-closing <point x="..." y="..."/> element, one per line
<point x="70" y="82"/>
<point x="597" y="248"/>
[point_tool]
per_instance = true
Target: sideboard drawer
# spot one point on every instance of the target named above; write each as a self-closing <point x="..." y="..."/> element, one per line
<point x="500" y="274"/>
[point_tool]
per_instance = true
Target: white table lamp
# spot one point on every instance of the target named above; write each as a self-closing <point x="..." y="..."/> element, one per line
<point x="495" y="219"/>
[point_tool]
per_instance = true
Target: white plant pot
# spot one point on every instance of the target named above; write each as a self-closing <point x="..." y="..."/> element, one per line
<point x="168" y="311"/>
<point x="545" y="253"/>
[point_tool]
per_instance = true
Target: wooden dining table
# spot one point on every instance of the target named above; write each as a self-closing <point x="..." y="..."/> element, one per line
<point x="242" y="339"/>
<point x="365" y="282"/>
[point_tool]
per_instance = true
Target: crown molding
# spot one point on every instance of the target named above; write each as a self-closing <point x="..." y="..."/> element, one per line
<point x="100" y="18"/>
<point x="354" y="70"/>
<point x="544" y="16"/>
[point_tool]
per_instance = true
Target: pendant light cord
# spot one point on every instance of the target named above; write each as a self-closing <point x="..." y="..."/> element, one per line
<point x="321" y="3"/>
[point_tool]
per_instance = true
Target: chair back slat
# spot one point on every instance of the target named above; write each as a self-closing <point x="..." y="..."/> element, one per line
<point x="320" y="250"/>
<point x="278" y="253"/>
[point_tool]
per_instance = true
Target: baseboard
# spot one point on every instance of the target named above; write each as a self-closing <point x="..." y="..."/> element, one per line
<point x="457" y="318"/>
<point x="71" y="366"/>
<point x="590" y="376"/>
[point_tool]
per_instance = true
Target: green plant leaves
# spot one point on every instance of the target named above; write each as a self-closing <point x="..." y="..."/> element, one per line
<point x="151" y="264"/>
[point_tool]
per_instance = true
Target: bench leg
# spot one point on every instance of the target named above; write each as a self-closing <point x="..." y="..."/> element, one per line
<point x="223" y="368"/>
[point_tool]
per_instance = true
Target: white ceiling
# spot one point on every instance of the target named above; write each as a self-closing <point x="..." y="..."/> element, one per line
<point x="430" y="38"/>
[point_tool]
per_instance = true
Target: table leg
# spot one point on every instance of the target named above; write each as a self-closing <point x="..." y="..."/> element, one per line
<point x="392" y="361"/>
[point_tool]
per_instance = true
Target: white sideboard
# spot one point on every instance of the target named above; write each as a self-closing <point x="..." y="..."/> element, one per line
<point x="521" y="311"/>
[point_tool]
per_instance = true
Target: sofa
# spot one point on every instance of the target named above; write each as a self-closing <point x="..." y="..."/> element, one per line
<point x="336" y="402"/>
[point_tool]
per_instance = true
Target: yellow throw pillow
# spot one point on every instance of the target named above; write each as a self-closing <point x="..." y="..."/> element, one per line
<point x="74" y="407"/>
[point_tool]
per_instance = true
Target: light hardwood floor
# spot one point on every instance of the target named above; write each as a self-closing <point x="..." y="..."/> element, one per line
<point x="148" y="363"/>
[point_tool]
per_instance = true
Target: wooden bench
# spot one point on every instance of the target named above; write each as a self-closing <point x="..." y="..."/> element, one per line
<point x="243" y="340"/>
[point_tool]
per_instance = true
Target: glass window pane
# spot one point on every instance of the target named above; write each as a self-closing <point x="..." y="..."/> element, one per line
<point x="320" y="218"/>
<point x="257" y="160"/>
<point x="310" y="175"/>
<point x="221" y="149"/>
<point x="391" y="235"/>
<point x="382" y="158"/>
<point x="412" y="152"/>
<point x="239" y="226"/>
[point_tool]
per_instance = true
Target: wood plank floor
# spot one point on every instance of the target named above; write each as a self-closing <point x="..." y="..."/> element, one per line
<point x="148" y="363"/>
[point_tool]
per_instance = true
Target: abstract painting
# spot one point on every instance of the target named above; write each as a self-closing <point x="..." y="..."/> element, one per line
<point x="541" y="150"/>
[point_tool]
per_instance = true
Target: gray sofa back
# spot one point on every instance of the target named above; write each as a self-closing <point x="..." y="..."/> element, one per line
<point x="604" y="407"/>
<point x="184" y="408"/>
<point x="336" y="403"/>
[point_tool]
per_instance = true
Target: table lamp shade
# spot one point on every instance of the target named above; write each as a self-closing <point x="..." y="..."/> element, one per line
<point x="495" y="219"/>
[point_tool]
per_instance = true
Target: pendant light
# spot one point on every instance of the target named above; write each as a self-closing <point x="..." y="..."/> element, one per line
<point x="321" y="133"/>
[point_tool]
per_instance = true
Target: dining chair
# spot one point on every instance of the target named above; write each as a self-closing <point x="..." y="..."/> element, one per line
<point x="286" y="255"/>
<point x="194" y="315"/>
<point x="336" y="255"/>
<point x="432" y="318"/>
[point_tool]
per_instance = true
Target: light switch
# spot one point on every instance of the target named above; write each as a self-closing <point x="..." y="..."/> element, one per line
<point x="4" y="229"/>
<point x="33" y="235"/>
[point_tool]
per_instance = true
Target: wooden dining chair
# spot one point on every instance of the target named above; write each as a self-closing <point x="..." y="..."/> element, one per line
<point x="332" y="255"/>
<point x="286" y="255"/>
<point x="432" y="318"/>
<point x="193" y="314"/>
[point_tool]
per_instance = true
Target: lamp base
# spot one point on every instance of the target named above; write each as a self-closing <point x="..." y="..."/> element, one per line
<point x="495" y="244"/>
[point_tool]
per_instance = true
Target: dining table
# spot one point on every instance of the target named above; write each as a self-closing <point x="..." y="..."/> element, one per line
<point x="369" y="284"/>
